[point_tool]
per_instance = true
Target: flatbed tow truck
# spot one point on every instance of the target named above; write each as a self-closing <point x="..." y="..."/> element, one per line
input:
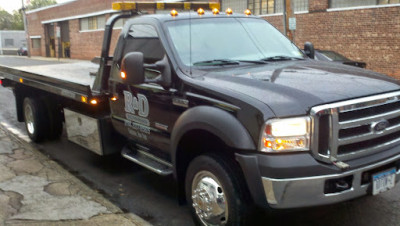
<point x="223" y="101"/>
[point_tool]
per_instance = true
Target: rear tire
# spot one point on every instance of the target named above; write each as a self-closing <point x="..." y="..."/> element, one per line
<point x="35" y="119"/>
<point x="215" y="192"/>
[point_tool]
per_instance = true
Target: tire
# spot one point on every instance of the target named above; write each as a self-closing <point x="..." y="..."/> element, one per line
<point x="35" y="119"/>
<point x="211" y="176"/>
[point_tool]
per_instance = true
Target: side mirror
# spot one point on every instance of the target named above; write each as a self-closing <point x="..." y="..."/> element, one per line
<point x="132" y="66"/>
<point x="165" y="68"/>
<point x="309" y="50"/>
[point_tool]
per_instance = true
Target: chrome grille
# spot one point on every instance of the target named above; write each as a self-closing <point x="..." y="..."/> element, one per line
<point x="355" y="128"/>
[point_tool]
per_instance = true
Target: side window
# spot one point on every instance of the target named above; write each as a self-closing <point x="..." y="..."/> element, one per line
<point x="144" y="38"/>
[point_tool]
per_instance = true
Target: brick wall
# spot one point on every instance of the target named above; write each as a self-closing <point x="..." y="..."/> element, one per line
<point x="84" y="44"/>
<point x="370" y="35"/>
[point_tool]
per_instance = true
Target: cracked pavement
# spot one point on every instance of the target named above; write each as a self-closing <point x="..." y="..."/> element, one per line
<point x="35" y="190"/>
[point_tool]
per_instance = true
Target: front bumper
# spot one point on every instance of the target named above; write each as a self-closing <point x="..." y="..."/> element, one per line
<point x="302" y="181"/>
<point x="309" y="191"/>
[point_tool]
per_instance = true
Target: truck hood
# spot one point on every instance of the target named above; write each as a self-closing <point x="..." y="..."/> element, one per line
<point x="293" y="87"/>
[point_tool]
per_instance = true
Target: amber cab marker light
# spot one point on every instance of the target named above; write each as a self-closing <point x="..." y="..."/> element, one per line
<point x="215" y="11"/>
<point x="93" y="101"/>
<point x="123" y="75"/>
<point x="247" y="12"/>
<point x="174" y="13"/>
<point x="200" y="11"/>
<point x="229" y="11"/>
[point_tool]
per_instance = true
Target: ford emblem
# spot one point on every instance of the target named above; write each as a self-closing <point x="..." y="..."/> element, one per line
<point x="379" y="126"/>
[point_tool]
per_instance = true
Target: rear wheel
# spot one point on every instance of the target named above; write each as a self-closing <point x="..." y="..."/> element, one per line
<point x="35" y="119"/>
<point x="215" y="192"/>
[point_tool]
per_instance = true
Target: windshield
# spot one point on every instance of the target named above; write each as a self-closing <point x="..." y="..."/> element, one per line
<point x="228" y="40"/>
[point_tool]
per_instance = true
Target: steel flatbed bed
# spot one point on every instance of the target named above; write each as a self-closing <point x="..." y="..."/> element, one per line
<point x="71" y="80"/>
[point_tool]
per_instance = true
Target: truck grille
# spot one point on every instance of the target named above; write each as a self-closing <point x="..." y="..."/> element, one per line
<point x="355" y="128"/>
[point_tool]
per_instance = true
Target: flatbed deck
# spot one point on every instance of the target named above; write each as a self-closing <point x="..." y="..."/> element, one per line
<point x="71" y="79"/>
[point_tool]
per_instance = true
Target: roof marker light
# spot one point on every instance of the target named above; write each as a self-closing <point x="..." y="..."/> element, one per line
<point x="200" y="11"/>
<point x="174" y="13"/>
<point x="247" y="12"/>
<point x="215" y="11"/>
<point x="229" y="11"/>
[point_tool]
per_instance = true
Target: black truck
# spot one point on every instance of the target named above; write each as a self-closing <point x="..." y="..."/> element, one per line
<point x="227" y="104"/>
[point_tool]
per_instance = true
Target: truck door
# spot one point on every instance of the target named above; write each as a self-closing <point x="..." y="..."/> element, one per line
<point x="141" y="112"/>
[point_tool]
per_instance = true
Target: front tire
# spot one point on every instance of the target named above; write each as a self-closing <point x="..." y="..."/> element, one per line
<point x="35" y="119"/>
<point x="215" y="192"/>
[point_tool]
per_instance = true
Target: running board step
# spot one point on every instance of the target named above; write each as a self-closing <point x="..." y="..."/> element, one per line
<point x="148" y="161"/>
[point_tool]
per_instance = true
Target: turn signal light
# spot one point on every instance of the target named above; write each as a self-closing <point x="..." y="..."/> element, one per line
<point x="114" y="98"/>
<point x="174" y="13"/>
<point x="229" y="11"/>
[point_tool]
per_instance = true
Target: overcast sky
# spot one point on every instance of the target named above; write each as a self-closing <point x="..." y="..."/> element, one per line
<point x="10" y="5"/>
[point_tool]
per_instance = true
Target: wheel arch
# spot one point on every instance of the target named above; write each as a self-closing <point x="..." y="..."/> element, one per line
<point x="221" y="130"/>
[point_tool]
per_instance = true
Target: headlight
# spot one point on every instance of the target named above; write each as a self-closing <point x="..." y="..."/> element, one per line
<point x="286" y="135"/>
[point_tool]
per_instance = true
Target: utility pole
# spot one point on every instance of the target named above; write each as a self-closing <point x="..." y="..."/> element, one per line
<point x="26" y="28"/>
<point x="287" y="13"/>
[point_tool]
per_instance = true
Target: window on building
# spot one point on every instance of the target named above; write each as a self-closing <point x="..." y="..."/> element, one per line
<point x="354" y="3"/>
<point x="35" y="43"/>
<point x="92" y="23"/>
<point x="262" y="7"/>
<point x="8" y="42"/>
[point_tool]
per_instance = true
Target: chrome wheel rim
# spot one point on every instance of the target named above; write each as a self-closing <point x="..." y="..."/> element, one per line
<point x="29" y="119"/>
<point x="209" y="200"/>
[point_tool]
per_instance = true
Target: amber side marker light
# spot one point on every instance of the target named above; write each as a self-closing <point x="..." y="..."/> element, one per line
<point x="123" y="75"/>
<point x="229" y="11"/>
<point x="83" y="99"/>
<point x="21" y="80"/>
<point x="215" y="11"/>
<point x="93" y="101"/>
<point x="247" y="12"/>
<point x="174" y="13"/>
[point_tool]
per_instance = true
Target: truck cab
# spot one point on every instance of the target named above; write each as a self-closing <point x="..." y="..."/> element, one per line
<point x="240" y="116"/>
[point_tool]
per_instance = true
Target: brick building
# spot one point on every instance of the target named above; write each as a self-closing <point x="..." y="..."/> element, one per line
<point x="362" y="30"/>
<point x="72" y="29"/>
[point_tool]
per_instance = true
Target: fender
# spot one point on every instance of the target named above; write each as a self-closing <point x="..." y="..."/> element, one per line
<point x="213" y="120"/>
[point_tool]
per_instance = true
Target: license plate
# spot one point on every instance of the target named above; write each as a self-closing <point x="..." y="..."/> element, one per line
<point x="383" y="181"/>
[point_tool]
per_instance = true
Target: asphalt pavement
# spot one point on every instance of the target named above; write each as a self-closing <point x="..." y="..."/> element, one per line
<point x="135" y="190"/>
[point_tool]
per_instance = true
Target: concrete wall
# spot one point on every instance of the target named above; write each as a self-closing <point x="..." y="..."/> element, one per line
<point x="18" y="40"/>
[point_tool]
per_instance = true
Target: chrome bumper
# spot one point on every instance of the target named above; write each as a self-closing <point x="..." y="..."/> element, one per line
<point x="309" y="191"/>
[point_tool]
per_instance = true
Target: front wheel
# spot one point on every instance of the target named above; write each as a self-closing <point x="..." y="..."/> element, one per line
<point x="215" y="191"/>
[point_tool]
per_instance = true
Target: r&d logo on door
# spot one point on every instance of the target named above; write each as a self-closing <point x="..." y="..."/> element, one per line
<point x="136" y="105"/>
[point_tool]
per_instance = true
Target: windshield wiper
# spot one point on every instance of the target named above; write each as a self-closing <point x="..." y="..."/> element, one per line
<point x="281" y="58"/>
<point x="226" y="62"/>
<point x="216" y="62"/>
